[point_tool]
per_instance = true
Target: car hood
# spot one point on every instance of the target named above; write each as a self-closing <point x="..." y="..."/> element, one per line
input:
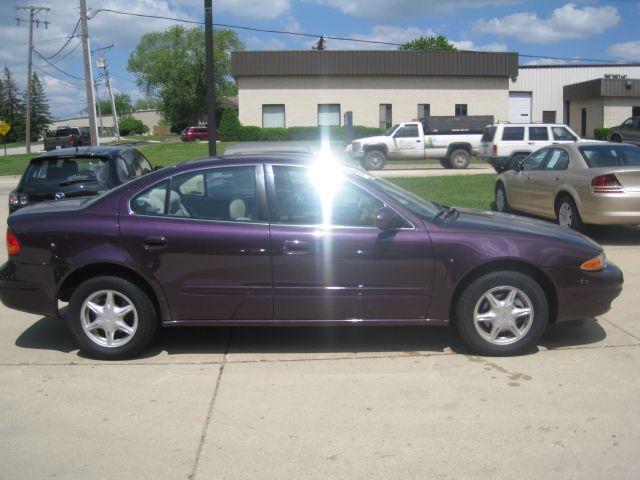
<point x="495" y="222"/>
<point x="379" y="138"/>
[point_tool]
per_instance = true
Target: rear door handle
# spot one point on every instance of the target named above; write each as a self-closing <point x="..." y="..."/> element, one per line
<point x="155" y="242"/>
<point x="296" y="247"/>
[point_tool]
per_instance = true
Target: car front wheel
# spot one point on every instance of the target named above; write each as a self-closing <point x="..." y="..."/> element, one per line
<point x="374" y="160"/>
<point x="502" y="313"/>
<point x="502" y="204"/>
<point x="112" y="318"/>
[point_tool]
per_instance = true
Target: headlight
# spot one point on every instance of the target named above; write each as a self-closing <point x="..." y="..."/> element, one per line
<point x="595" y="263"/>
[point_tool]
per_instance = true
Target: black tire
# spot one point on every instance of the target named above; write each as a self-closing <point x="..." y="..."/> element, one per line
<point x="616" y="138"/>
<point x="141" y="321"/>
<point x="374" y="160"/>
<point x="459" y="159"/>
<point x="567" y="214"/>
<point x="499" y="168"/>
<point x="502" y="204"/>
<point x="474" y="301"/>
<point x="445" y="163"/>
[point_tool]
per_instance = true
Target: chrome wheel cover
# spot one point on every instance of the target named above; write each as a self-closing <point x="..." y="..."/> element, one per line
<point x="565" y="215"/>
<point x="109" y="318"/>
<point x="459" y="159"/>
<point x="375" y="159"/>
<point x="503" y="315"/>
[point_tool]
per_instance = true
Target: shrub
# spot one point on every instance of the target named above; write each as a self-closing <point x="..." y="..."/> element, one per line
<point x="273" y="134"/>
<point x="360" y="131"/>
<point x="601" y="133"/>
<point x="131" y="126"/>
<point x="248" y="134"/>
<point x="229" y="128"/>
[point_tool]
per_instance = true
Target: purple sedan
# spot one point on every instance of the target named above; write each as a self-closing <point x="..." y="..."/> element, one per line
<point x="283" y="240"/>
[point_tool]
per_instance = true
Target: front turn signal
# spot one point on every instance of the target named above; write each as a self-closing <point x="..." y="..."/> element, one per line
<point x="595" y="263"/>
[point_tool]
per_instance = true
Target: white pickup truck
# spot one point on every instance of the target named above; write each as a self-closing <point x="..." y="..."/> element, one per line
<point x="452" y="140"/>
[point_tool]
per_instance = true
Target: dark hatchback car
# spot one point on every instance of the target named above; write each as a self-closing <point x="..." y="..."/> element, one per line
<point x="282" y="240"/>
<point x="80" y="172"/>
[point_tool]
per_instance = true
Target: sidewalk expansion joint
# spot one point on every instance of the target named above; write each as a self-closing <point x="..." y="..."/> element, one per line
<point x="621" y="329"/>
<point x="207" y="422"/>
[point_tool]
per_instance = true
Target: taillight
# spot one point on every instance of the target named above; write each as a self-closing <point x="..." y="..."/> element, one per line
<point x="72" y="139"/>
<point x="606" y="184"/>
<point x="494" y="150"/>
<point x="13" y="245"/>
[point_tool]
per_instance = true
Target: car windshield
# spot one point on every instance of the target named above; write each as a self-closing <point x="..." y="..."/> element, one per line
<point x="607" y="155"/>
<point x="415" y="204"/>
<point x="62" y="170"/>
<point x="389" y="132"/>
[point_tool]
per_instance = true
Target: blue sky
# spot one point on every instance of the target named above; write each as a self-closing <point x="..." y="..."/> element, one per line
<point x="578" y="31"/>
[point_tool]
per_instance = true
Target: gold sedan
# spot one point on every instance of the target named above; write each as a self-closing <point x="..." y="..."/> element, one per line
<point x="575" y="184"/>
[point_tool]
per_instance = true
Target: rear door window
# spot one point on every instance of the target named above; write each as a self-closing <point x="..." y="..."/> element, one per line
<point x="513" y="134"/>
<point x="538" y="133"/>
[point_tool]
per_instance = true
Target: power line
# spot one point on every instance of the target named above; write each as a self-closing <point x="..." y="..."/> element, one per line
<point x="72" y="36"/>
<point x="315" y="35"/>
<point x="54" y="66"/>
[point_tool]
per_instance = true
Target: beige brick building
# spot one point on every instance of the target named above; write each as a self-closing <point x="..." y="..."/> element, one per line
<point x="316" y="88"/>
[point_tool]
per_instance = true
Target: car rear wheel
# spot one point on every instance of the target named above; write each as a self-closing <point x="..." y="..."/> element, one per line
<point x="502" y="204"/>
<point x="516" y="159"/>
<point x="374" y="160"/>
<point x="568" y="215"/>
<point x="502" y="313"/>
<point x="616" y="138"/>
<point x="459" y="158"/>
<point x="112" y="318"/>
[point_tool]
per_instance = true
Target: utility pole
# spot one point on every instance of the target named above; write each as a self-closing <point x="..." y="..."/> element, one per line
<point x="101" y="131"/>
<point x="33" y="11"/>
<point x="211" y="92"/>
<point x="88" y="74"/>
<point x="102" y="63"/>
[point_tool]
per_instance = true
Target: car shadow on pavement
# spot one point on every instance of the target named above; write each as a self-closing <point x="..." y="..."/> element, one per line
<point x="615" y="235"/>
<point x="53" y="334"/>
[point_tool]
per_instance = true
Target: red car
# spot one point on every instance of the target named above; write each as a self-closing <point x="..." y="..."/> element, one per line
<point x="195" y="134"/>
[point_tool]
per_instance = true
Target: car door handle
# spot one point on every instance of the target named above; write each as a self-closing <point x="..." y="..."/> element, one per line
<point x="154" y="242"/>
<point x="296" y="247"/>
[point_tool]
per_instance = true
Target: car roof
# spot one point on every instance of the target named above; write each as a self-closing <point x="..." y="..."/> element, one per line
<point x="272" y="148"/>
<point x="71" y="152"/>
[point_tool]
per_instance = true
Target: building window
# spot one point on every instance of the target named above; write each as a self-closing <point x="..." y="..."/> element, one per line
<point x="329" y="115"/>
<point x="548" y="116"/>
<point x="273" y="116"/>
<point x="385" y="115"/>
<point x="635" y="111"/>
<point x="461" y="109"/>
<point x="424" y="110"/>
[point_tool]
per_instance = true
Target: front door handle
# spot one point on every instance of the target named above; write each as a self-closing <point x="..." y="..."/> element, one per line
<point x="296" y="247"/>
<point x="154" y="242"/>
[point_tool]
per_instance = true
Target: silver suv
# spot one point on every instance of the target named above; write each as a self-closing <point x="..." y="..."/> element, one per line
<point x="504" y="144"/>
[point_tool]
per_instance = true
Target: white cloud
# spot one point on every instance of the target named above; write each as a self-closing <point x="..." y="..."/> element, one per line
<point x="259" y="43"/>
<point x="546" y="61"/>
<point x="388" y="35"/>
<point x="629" y="51"/>
<point x="405" y="9"/>
<point x="568" y="22"/>
<point x="490" y="47"/>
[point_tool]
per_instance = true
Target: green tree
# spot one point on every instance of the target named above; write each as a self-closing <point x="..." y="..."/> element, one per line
<point x="428" y="43"/>
<point x="170" y="65"/>
<point x="122" y="101"/>
<point x="229" y="130"/>
<point x="132" y="126"/>
<point x="40" y="112"/>
<point x="11" y="107"/>
<point x="146" y="104"/>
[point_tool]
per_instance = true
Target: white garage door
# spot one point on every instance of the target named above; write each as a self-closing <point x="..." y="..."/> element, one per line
<point x="520" y="107"/>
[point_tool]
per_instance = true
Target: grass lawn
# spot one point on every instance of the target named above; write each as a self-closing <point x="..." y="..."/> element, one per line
<point x="472" y="191"/>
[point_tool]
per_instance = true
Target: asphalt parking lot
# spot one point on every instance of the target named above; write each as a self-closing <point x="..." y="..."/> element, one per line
<point x="319" y="403"/>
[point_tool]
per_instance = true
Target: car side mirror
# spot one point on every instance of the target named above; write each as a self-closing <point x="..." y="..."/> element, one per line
<point x="387" y="219"/>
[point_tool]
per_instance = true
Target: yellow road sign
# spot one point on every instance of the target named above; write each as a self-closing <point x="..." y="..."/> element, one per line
<point x="4" y="128"/>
